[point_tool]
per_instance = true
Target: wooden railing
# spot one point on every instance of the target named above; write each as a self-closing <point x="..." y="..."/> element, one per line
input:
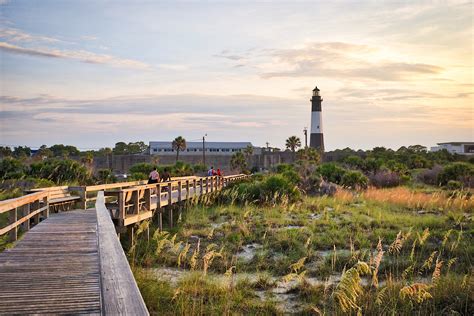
<point x="134" y="204"/>
<point x="120" y="293"/>
<point x="21" y="210"/>
<point x="131" y="202"/>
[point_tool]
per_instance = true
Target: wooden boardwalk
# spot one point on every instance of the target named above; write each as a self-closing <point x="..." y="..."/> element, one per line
<point x="55" y="268"/>
<point x="72" y="262"/>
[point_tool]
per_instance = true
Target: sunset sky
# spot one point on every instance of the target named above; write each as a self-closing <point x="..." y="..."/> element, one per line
<point x="91" y="73"/>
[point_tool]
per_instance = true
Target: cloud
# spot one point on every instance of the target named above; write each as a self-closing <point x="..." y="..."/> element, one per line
<point x="15" y="35"/>
<point x="89" y="38"/>
<point x="79" y="55"/>
<point x="342" y="60"/>
<point x="227" y="55"/>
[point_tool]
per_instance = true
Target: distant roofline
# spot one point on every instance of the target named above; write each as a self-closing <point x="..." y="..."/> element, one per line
<point x="456" y="143"/>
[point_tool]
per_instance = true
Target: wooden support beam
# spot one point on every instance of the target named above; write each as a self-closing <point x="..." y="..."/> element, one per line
<point x="148" y="199"/>
<point x="83" y="201"/>
<point x="187" y="190"/>
<point x="170" y="216"/>
<point x="12" y="218"/>
<point x="180" y="191"/>
<point x="170" y="193"/>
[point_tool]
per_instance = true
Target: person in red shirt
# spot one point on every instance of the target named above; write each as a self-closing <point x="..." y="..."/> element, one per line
<point x="219" y="173"/>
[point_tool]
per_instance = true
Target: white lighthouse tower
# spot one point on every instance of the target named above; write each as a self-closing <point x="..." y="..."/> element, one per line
<point x="316" y="140"/>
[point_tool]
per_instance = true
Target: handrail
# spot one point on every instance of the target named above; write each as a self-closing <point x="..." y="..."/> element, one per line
<point x="10" y="204"/>
<point x="120" y="293"/>
<point x="34" y="205"/>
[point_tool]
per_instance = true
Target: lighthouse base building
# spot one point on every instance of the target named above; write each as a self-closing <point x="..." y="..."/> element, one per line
<point x="316" y="139"/>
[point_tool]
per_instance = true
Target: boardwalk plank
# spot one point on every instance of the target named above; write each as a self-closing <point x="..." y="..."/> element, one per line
<point x="54" y="268"/>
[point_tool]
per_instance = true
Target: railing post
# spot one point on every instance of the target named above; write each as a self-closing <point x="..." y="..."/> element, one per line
<point x="180" y="191"/>
<point x="121" y="203"/>
<point x="207" y="185"/>
<point x="201" y="186"/>
<point x="170" y="203"/>
<point x="46" y="203"/>
<point x="136" y="202"/>
<point x="83" y="200"/>
<point x="187" y="190"/>
<point x="148" y="199"/>
<point x="194" y="187"/>
<point x="158" y="196"/>
<point x="170" y="193"/>
<point x="158" y="207"/>
<point x="12" y="218"/>
<point x="36" y="218"/>
<point x="26" y="210"/>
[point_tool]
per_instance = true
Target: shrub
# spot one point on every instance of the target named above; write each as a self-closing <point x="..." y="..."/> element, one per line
<point x="385" y="179"/>
<point x="354" y="162"/>
<point x="142" y="167"/>
<point x="284" y="167"/>
<point x="11" y="168"/>
<point x="105" y="176"/>
<point x="430" y="176"/>
<point x="454" y="185"/>
<point x="272" y="188"/>
<point x="137" y="176"/>
<point x="331" y="172"/>
<point x="354" y="180"/>
<point x="60" y="171"/>
<point x="292" y="176"/>
<point x="457" y="171"/>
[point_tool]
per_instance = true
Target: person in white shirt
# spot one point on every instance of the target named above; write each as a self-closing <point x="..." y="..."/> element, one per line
<point x="154" y="176"/>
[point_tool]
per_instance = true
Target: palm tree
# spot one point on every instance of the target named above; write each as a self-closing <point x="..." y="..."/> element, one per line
<point x="179" y="144"/>
<point x="248" y="152"/>
<point x="293" y="143"/>
<point x="238" y="162"/>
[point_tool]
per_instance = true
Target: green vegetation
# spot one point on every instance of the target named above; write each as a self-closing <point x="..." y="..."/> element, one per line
<point x="255" y="248"/>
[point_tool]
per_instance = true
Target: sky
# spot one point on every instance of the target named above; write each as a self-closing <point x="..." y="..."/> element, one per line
<point x="92" y="73"/>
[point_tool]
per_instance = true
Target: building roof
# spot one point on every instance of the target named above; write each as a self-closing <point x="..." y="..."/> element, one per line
<point x="191" y="145"/>
<point x="457" y="143"/>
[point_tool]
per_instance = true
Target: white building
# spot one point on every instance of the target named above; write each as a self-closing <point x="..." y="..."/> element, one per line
<point x="196" y="148"/>
<point x="460" y="148"/>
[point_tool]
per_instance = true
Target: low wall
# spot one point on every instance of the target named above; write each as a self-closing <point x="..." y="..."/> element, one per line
<point x="122" y="163"/>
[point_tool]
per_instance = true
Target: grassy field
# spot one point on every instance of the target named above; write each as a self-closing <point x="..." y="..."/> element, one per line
<point x="380" y="252"/>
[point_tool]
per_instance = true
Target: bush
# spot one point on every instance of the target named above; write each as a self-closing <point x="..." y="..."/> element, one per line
<point x="454" y="185"/>
<point x="137" y="176"/>
<point x="284" y="167"/>
<point x="11" y="168"/>
<point x="272" y="188"/>
<point x="354" y="162"/>
<point x="60" y="171"/>
<point x="354" y="180"/>
<point x="331" y="172"/>
<point x="457" y="171"/>
<point x="385" y="179"/>
<point x="143" y="167"/>
<point x="430" y="176"/>
<point x="291" y="176"/>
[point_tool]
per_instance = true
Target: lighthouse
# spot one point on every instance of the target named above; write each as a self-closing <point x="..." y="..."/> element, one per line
<point x="316" y="140"/>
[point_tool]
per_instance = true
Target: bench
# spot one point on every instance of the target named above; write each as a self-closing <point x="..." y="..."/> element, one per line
<point x="59" y="198"/>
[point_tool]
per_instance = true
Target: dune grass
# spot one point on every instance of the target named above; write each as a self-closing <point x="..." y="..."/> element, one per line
<point x="372" y="253"/>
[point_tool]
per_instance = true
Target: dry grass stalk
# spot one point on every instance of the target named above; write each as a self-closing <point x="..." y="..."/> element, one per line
<point x="418" y="200"/>
<point x="417" y="292"/>
<point x="437" y="271"/>
<point x="377" y="261"/>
